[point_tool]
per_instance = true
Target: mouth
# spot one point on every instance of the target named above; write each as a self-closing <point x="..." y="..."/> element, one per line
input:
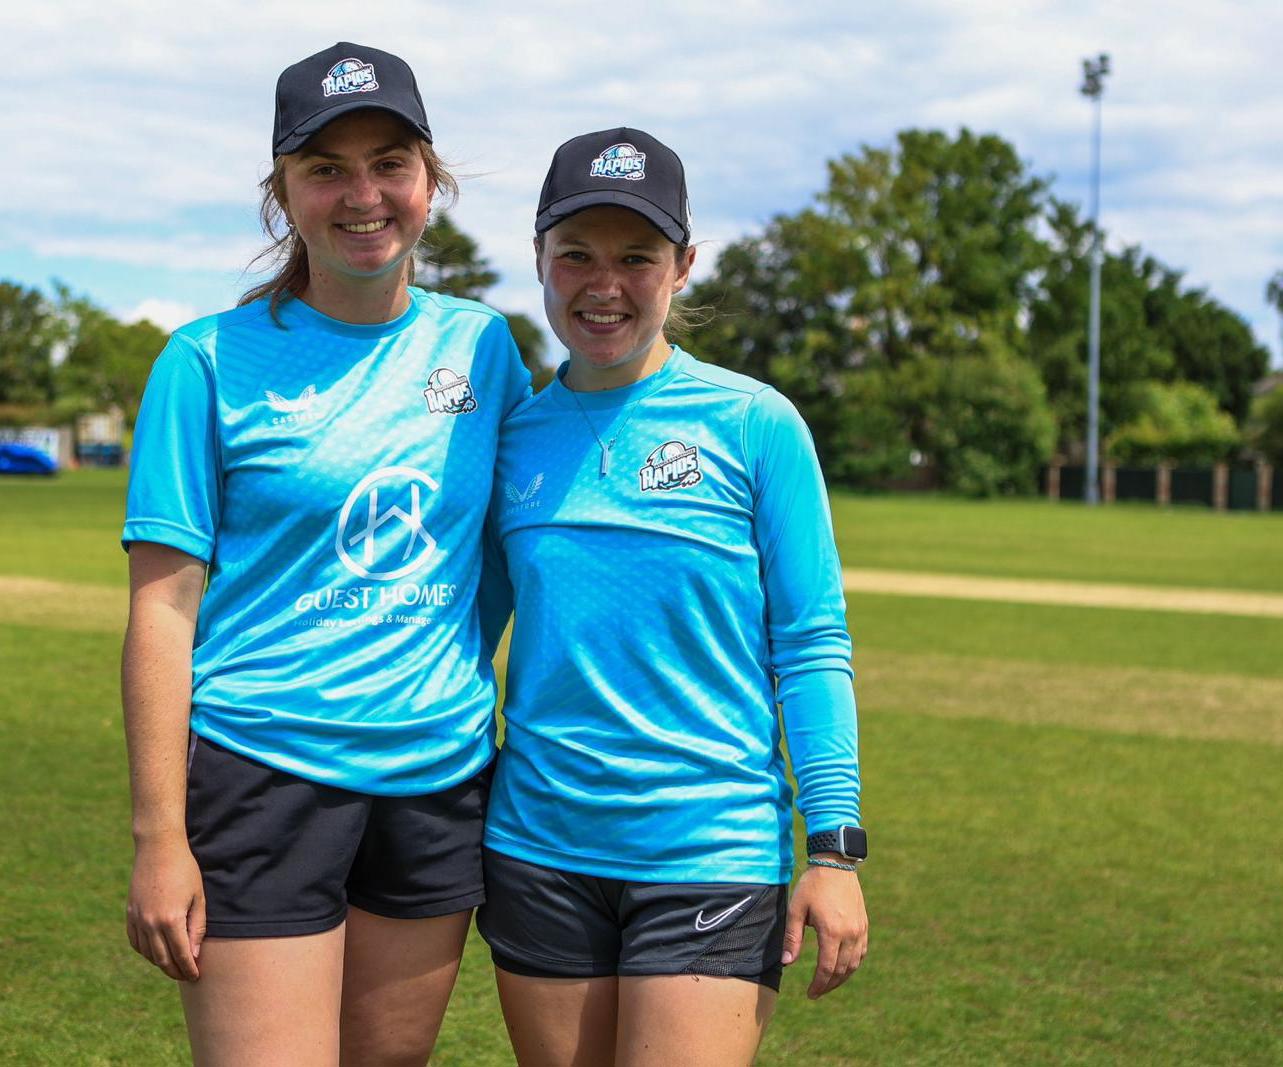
<point x="364" y="227"/>
<point x="601" y="318"/>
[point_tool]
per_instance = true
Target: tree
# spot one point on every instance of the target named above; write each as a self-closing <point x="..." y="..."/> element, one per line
<point x="1181" y="422"/>
<point x="923" y="252"/>
<point x="1152" y="329"/>
<point x="1265" y="426"/>
<point x="447" y="260"/>
<point x="29" y="332"/>
<point x="107" y="361"/>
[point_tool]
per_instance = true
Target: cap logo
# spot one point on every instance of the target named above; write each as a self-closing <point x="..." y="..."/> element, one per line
<point x="349" y="76"/>
<point x="620" y="161"/>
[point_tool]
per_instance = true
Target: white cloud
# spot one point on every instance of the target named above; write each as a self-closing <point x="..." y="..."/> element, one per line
<point x="150" y="124"/>
<point x="167" y="314"/>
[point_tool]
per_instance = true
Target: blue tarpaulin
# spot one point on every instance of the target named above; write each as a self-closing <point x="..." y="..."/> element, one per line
<point x="22" y="459"/>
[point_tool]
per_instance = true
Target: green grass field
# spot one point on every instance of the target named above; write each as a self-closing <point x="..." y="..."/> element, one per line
<point x="1074" y="812"/>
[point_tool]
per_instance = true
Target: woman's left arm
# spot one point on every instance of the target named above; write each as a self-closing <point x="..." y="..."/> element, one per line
<point x="811" y="658"/>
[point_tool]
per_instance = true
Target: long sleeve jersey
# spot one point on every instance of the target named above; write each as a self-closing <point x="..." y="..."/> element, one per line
<point x="666" y="597"/>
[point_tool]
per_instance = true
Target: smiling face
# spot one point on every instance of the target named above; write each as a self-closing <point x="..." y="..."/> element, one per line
<point x="358" y="195"/>
<point x="608" y="278"/>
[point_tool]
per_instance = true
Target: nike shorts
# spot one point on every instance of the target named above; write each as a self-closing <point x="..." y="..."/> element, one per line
<point x="547" y="923"/>
<point x="283" y="856"/>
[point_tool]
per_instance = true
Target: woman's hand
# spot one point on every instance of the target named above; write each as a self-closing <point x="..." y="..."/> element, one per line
<point x="832" y="902"/>
<point x="165" y="915"/>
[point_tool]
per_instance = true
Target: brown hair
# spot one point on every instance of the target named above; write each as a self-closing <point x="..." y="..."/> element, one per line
<point x="286" y="250"/>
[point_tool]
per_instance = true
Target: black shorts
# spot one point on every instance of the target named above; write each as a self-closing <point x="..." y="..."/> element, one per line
<point x="282" y="856"/>
<point x="546" y="923"/>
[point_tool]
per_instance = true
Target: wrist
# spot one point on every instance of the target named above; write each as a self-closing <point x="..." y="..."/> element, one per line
<point x="159" y="836"/>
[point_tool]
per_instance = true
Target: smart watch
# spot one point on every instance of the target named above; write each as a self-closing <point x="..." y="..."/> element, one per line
<point x="850" y="842"/>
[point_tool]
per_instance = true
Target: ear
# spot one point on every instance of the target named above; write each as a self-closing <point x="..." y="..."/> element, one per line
<point x="684" y="265"/>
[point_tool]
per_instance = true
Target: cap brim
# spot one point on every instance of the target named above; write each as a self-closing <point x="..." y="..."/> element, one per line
<point x="296" y="138"/>
<point x="572" y="205"/>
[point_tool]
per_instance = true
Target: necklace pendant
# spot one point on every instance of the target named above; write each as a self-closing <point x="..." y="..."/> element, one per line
<point x="605" y="462"/>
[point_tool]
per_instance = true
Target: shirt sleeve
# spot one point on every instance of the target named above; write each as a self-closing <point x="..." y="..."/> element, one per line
<point x="517" y="385"/>
<point x="175" y="482"/>
<point x="494" y="591"/>
<point x="809" y="646"/>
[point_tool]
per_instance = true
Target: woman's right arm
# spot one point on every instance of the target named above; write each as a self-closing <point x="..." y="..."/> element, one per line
<point x="166" y="909"/>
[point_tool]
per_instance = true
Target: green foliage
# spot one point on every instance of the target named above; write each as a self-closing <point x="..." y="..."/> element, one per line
<point x="988" y="428"/>
<point x="1150" y="330"/>
<point x="29" y="331"/>
<point x="447" y="260"/>
<point x="107" y="361"/>
<point x="912" y="259"/>
<point x="1265" y="427"/>
<point x="1180" y="422"/>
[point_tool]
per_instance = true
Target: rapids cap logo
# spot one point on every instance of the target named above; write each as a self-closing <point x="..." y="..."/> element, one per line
<point x="349" y="76"/>
<point x="672" y="465"/>
<point x="619" y="161"/>
<point x="449" y="393"/>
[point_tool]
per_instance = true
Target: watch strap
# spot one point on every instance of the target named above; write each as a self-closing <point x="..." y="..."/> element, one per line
<point x="849" y="841"/>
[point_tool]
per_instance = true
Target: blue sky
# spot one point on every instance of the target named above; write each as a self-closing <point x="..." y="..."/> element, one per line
<point x="139" y="129"/>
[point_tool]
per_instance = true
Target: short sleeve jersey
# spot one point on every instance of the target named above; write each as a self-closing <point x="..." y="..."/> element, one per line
<point x="659" y="598"/>
<point x="334" y="478"/>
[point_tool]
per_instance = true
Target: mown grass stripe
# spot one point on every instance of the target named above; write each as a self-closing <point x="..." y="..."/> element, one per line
<point x="1068" y="594"/>
<point x="1121" y="700"/>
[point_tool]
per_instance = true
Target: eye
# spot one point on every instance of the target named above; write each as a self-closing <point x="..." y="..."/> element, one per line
<point x="391" y="164"/>
<point x="573" y="255"/>
<point x="324" y="170"/>
<point x="636" y="259"/>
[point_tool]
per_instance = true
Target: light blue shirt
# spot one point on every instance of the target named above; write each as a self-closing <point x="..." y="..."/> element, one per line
<point x="334" y="477"/>
<point x="657" y="606"/>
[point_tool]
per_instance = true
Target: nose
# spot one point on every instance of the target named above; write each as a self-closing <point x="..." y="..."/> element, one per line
<point x="604" y="283"/>
<point x="362" y="192"/>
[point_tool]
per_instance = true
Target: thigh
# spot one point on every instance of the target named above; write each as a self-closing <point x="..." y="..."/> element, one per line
<point x="266" y="1002"/>
<point x="559" y="1022"/>
<point x="397" y="979"/>
<point x="695" y="1020"/>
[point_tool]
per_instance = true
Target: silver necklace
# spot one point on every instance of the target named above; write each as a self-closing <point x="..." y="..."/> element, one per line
<point x="605" y="446"/>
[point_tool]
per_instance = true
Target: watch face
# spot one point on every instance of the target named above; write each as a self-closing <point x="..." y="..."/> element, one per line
<point x="854" y="842"/>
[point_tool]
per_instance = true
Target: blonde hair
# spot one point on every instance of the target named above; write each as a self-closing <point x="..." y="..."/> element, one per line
<point x="286" y="250"/>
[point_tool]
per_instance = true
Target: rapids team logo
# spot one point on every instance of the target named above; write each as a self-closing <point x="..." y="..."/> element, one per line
<point x="620" y="161"/>
<point x="349" y="76"/>
<point x="672" y="465"/>
<point x="449" y="393"/>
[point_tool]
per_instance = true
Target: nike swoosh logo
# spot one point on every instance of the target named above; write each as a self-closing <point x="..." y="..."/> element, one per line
<point x="702" y="924"/>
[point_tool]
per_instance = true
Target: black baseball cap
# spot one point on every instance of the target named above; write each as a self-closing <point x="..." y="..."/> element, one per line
<point x="622" y="166"/>
<point x="344" y="78"/>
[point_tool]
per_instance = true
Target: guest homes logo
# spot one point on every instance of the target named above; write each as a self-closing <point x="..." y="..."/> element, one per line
<point x="381" y="537"/>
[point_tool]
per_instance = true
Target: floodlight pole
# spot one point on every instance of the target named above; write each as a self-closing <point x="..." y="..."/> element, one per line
<point x="1093" y="87"/>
